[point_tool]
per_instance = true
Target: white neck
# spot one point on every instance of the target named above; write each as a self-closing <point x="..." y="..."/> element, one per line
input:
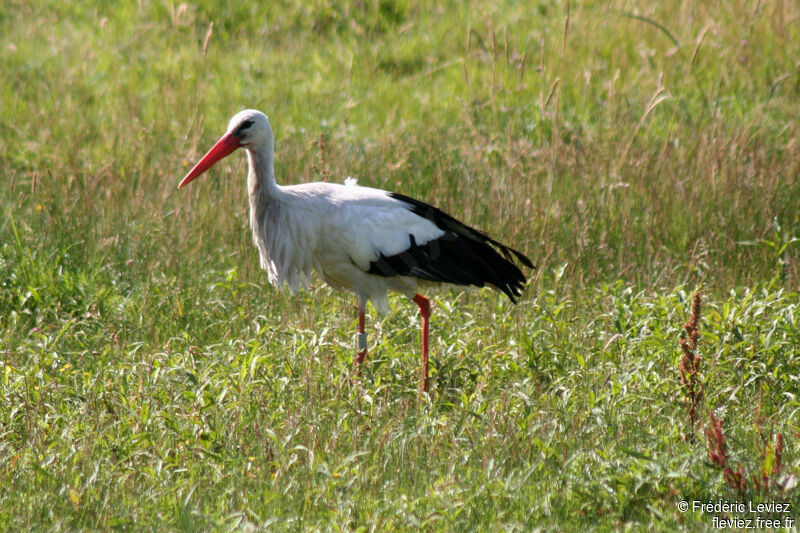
<point x="261" y="184"/>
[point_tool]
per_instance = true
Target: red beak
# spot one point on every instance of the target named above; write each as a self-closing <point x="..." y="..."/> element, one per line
<point x="227" y="144"/>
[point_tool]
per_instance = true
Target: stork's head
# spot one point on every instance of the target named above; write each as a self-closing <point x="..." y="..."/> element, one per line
<point x="247" y="129"/>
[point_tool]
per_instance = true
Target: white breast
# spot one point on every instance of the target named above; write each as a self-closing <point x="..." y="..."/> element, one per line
<point x="337" y="231"/>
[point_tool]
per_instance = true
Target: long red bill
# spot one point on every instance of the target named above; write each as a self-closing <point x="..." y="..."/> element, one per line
<point x="227" y="144"/>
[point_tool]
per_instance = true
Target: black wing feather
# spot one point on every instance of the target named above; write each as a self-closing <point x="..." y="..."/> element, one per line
<point x="462" y="256"/>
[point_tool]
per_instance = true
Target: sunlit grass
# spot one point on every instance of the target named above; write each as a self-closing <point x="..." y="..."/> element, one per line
<point x="151" y="378"/>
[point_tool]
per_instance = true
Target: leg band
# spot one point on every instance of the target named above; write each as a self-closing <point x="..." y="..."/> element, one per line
<point x="361" y="341"/>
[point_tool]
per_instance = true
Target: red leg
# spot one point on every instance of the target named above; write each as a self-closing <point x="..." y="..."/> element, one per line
<point x="425" y="312"/>
<point x="361" y="338"/>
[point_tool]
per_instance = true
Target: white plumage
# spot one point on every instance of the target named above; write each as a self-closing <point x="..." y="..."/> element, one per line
<point x="358" y="238"/>
<point x="337" y="230"/>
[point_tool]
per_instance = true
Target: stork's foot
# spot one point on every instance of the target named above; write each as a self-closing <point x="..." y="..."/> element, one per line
<point x="360" y="356"/>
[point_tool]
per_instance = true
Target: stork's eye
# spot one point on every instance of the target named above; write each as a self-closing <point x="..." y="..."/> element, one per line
<point x="243" y="126"/>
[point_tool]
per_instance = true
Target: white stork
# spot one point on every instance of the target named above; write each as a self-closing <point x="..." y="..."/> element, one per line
<point x="358" y="238"/>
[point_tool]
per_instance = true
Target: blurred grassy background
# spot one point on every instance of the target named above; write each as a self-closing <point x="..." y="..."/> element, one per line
<point x="637" y="148"/>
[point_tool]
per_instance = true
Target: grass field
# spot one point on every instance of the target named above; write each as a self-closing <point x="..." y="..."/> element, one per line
<point x="638" y="152"/>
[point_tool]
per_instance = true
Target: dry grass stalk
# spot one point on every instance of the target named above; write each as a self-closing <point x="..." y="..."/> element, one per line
<point x="689" y="365"/>
<point x="718" y="455"/>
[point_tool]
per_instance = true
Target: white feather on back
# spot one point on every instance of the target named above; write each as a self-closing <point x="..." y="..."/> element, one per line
<point x="368" y="222"/>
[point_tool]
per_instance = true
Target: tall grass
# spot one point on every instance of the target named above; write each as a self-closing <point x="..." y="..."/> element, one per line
<point x="151" y="377"/>
<point x="627" y="155"/>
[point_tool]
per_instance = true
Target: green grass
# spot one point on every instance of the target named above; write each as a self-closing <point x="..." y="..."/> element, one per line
<point x="152" y="379"/>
